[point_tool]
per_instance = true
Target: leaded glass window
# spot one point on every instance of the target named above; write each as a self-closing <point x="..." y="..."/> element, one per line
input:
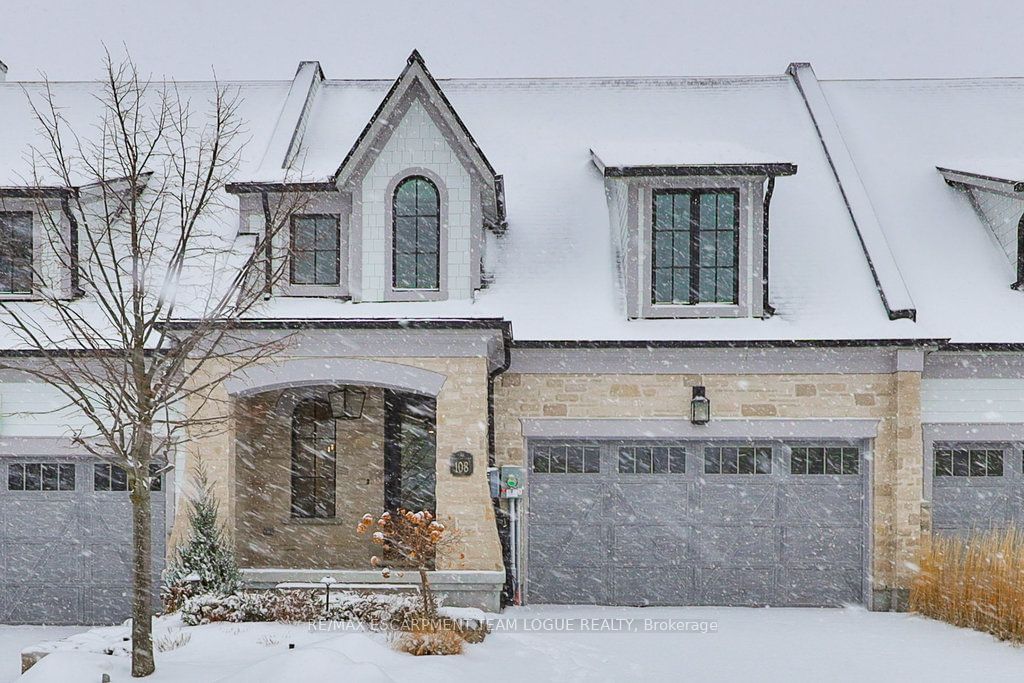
<point x="314" y="460"/>
<point x="416" y="252"/>
<point x="695" y="257"/>
<point x="316" y="255"/>
<point x="15" y="252"/>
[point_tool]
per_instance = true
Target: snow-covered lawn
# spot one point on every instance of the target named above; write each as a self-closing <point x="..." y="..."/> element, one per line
<point x="749" y="644"/>
<point x="15" y="638"/>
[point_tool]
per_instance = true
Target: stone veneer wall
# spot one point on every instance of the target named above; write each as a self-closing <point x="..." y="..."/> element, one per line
<point x="464" y="501"/>
<point x="265" y="533"/>
<point x="893" y="399"/>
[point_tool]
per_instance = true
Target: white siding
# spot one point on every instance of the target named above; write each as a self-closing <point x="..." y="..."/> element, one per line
<point x="416" y="143"/>
<point x="1002" y="215"/>
<point x="972" y="400"/>
<point x="34" y="409"/>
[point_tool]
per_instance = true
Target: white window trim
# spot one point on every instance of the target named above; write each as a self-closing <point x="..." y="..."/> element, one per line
<point x="395" y="294"/>
<point x="751" y="241"/>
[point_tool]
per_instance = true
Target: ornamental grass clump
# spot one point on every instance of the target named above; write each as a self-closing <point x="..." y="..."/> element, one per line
<point x="976" y="581"/>
<point x="428" y="638"/>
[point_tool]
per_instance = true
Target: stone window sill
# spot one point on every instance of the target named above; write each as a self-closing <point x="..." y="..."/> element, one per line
<point x="314" y="521"/>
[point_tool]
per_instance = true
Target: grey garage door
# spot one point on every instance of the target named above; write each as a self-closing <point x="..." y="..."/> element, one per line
<point x="976" y="487"/>
<point x="694" y="523"/>
<point x="65" y="541"/>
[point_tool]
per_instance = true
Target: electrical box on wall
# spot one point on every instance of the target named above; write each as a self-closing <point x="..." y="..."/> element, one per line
<point x="494" y="481"/>
<point x="511" y="481"/>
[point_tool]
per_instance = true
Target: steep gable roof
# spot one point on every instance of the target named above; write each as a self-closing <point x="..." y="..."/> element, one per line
<point x="415" y="73"/>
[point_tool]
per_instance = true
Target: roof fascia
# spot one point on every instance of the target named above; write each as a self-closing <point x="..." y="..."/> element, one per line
<point x="251" y="187"/>
<point x="38" y="192"/>
<point x="737" y="169"/>
<point x="982" y="182"/>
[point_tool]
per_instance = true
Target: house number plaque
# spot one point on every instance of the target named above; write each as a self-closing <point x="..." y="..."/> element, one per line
<point x="460" y="464"/>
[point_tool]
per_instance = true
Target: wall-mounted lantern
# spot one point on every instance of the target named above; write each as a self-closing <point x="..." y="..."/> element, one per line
<point x="700" y="407"/>
<point x="347" y="403"/>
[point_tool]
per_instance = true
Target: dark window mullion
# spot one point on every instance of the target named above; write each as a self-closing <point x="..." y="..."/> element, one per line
<point x="695" y="264"/>
<point x="735" y="265"/>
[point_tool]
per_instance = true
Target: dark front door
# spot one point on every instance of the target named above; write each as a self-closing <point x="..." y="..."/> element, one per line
<point x="410" y="453"/>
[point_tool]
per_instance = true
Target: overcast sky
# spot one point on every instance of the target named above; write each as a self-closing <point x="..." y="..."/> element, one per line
<point x="259" y="39"/>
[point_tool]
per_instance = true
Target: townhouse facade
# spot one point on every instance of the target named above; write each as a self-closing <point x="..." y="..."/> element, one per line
<point x="720" y="341"/>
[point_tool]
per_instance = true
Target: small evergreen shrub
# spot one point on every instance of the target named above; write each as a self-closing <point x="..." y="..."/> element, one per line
<point x="205" y="563"/>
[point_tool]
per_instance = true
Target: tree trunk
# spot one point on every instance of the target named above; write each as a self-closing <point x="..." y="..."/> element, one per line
<point x="142" y="564"/>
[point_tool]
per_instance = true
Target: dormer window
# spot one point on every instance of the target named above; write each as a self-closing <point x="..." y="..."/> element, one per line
<point x="695" y="246"/>
<point x="416" y="247"/>
<point x="316" y="250"/>
<point x="16" y="252"/>
<point x="997" y="195"/>
<point x="691" y="240"/>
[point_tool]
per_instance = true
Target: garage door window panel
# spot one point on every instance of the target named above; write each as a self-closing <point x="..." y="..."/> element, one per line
<point x="738" y="460"/>
<point x="824" y="460"/>
<point x="969" y="462"/>
<point x="566" y="459"/>
<point x="651" y="460"/>
<point x="37" y="476"/>
<point x="109" y="477"/>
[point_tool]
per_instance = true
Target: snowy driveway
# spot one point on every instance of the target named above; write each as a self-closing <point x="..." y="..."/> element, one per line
<point x="748" y="644"/>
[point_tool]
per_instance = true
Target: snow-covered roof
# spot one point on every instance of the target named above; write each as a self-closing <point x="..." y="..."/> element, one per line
<point x="651" y="153"/>
<point x="555" y="275"/>
<point x="898" y="132"/>
<point x="80" y="105"/>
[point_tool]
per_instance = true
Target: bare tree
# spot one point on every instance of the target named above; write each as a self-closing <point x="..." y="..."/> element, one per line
<point x="133" y="318"/>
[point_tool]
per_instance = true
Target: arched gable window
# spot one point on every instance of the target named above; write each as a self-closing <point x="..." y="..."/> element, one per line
<point x="313" y="459"/>
<point x="416" y="250"/>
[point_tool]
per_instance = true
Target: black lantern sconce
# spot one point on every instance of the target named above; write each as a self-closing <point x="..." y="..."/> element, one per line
<point x="347" y="403"/>
<point x="700" y="407"/>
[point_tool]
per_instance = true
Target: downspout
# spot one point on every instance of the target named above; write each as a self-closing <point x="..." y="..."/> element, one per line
<point x="65" y="205"/>
<point x="506" y="342"/>
<point x="502" y="519"/>
<point x="268" y="246"/>
<point x="1019" y="284"/>
<point x="767" y="309"/>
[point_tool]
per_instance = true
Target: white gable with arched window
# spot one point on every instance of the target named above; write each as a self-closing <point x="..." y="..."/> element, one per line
<point x="417" y="147"/>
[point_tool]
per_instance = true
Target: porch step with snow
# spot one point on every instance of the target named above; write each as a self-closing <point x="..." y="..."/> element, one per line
<point x="456" y="588"/>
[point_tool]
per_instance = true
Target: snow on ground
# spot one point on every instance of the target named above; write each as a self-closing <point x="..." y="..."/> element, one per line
<point x="748" y="644"/>
<point x="15" y="638"/>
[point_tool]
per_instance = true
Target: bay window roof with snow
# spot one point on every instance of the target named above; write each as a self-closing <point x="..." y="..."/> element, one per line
<point x="627" y="210"/>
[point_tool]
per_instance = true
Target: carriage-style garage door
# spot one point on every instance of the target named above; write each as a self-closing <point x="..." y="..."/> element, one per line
<point x="65" y="541"/>
<point x="691" y="523"/>
<point x="976" y="487"/>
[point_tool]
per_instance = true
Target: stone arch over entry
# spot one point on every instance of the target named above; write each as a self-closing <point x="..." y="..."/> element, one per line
<point x="303" y="372"/>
